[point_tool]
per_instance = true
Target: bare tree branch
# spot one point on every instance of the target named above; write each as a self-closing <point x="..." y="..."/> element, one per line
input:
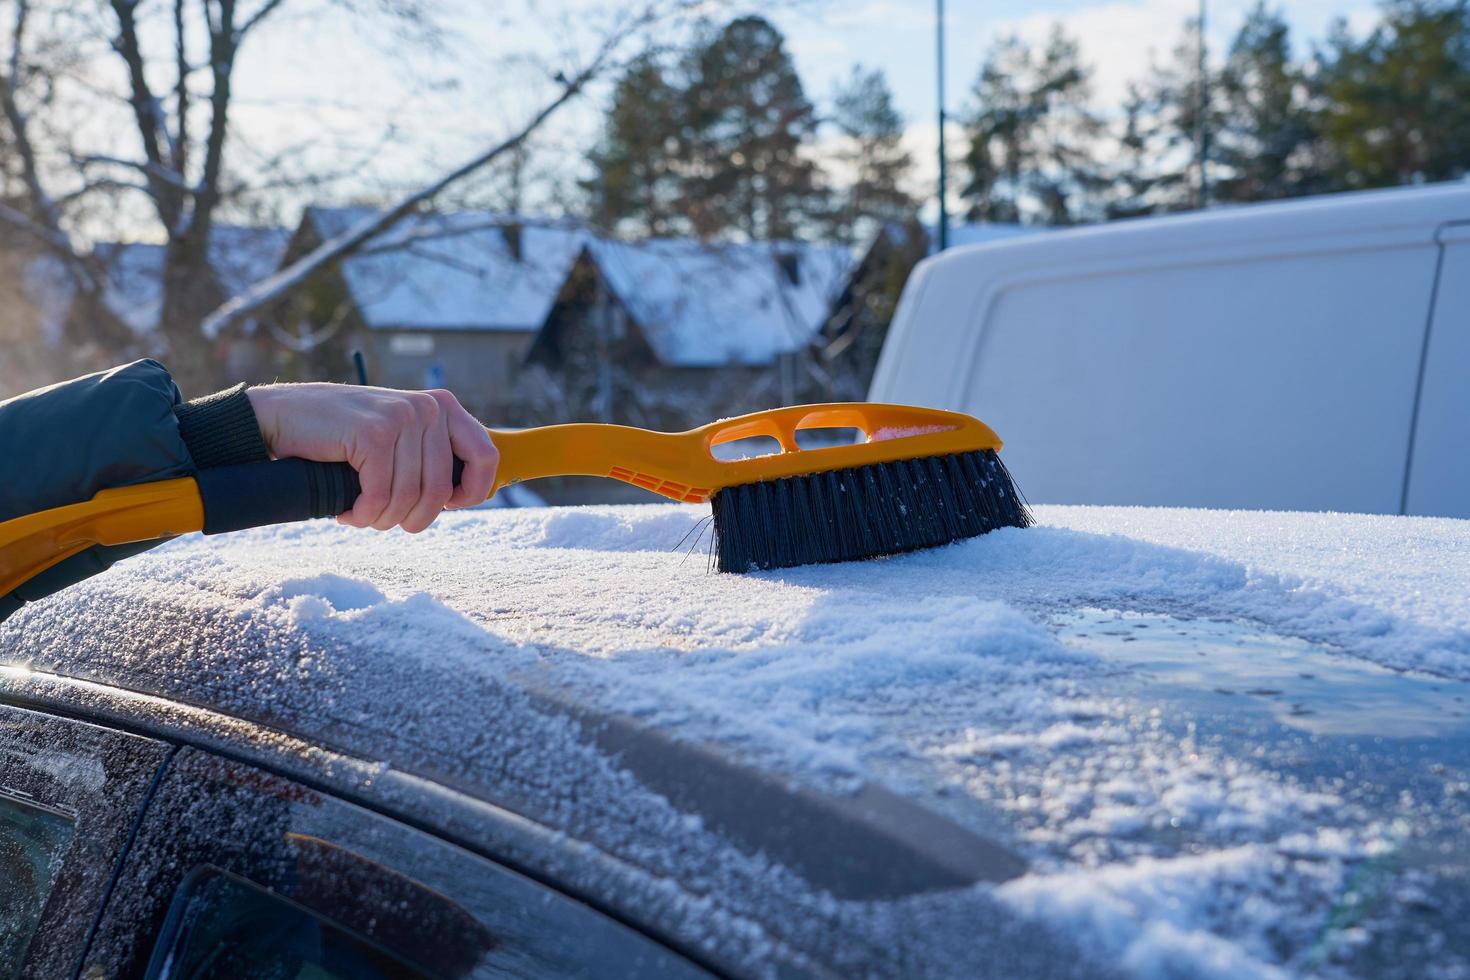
<point x="45" y="223"/>
<point x="147" y="111"/>
<point x="163" y="173"/>
<point x="179" y="159"/>
<point x="273" y="288"/>
<point x="100" y="184"/>
<point x="19" y="219"/>
<point x="223" y="45"/>
<point x="20" y="125"/>
<point x="266" y="9"/>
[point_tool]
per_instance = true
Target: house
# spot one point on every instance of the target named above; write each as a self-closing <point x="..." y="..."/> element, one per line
<point x="239" y="256"/>
<point x="854" y="333"/>
<point x="125" y="325"/>
<point x="669" y="333"/>
<point x="133" y="293"/>
<point x="451" y="300"/>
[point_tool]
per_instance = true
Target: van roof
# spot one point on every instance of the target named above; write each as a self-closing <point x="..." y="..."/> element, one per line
<point x="1362" y="212"/>
<point x="899" y="750"/>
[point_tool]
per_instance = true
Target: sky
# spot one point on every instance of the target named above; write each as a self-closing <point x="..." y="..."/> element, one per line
<point x="316" y="77"/>
<point x="1117" y="38"/>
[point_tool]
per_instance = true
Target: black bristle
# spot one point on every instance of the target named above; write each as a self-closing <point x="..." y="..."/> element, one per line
<point x="865" y="511"/>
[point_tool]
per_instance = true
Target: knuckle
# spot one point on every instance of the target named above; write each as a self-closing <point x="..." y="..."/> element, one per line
<point x="380" y="429"/>
<point x="399" y="412"/>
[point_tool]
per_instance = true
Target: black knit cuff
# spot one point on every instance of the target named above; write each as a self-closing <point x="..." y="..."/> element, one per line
<point x="221" y="429"/>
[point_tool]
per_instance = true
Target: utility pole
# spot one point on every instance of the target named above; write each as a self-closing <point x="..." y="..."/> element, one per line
<point x="943" y="184"/>
<point x="1201" y="123"/>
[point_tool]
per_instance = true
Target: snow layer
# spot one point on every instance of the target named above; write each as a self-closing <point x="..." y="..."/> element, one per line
<point x="1157" y="847"/>
<point x="1395" y="590"/>
<point x="456" y="271"/>
<point x="705" y="303"/>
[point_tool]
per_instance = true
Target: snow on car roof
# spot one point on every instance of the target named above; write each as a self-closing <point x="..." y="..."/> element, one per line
<point x="1150" y="839"/>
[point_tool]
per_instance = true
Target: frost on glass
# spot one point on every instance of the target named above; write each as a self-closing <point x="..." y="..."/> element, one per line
<point x="31" y="844"/>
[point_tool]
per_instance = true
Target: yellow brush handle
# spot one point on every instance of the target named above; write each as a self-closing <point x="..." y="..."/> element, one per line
<point x="31" y="544"/>
<point x="679" y="465"/>
<point x="682" y="465"/>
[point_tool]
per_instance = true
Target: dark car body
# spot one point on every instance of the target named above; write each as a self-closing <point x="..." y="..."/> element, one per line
<point x="535" y="743"/>
<point x="162" y="811"/>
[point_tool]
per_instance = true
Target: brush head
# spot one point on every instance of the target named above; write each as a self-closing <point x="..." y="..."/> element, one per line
<point x="864" y="511"/>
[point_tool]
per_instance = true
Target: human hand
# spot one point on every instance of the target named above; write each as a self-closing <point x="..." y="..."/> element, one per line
<point x="402" y="444"/>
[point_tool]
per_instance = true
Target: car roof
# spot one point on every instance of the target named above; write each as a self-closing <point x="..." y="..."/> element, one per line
<point x="839" y="750"/>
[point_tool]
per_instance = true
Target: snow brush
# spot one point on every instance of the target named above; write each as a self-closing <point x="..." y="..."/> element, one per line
<point x="919" y="478"/>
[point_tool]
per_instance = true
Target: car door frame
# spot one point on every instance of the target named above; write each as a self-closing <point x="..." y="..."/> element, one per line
<point x="100" y="779"/>
<point x="403" y="890"/>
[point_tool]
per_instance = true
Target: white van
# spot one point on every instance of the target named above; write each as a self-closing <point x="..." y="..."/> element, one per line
<point x="1310" y="355"/>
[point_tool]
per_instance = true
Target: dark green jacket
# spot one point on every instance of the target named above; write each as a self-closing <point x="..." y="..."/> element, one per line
<point x="60" y="445"/>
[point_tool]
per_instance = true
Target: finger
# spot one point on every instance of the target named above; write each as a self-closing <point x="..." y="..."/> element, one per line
<point x="437" y="477"/>
<point x="408" y="461"/>
<point x="471" y="443"/>
<point x="372" y="457"/>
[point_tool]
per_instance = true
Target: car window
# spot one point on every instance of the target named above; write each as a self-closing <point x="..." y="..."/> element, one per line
<point x="31" y="843"/>
<point x="222" y="926"/>
<point x="70" y="792"/>
<point x="236" y="871"/>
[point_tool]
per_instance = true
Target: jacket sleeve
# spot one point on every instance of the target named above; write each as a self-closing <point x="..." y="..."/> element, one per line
<point x="62" y="444"/>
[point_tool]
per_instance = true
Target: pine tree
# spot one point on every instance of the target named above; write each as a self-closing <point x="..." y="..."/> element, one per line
<point x="871" y="156"/>
<point x="1139" y="185"/>
<point x="1396" y="105"/>
<point x="998" y="152"/>
<point x="1172" y="122"/>
<point x="636" y="183"/>
<point x="1033" y="136"/>
<point x="749" y="119"/>
<point x="1266" y="144"/>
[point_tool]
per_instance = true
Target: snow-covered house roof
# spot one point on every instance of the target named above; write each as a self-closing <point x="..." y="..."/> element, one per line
<point x="239" y="255"/>
<point x="469" y="270"/>
<point x="133" y="275"/>
<point x="701" y="304"/>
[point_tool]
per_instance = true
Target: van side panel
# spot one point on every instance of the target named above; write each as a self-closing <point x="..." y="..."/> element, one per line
<point x="1269" y="381"/>
<point x="1439" y="483"/>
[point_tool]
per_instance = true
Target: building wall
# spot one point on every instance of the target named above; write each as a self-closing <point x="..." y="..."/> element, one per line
<point x="481" y="367"/>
